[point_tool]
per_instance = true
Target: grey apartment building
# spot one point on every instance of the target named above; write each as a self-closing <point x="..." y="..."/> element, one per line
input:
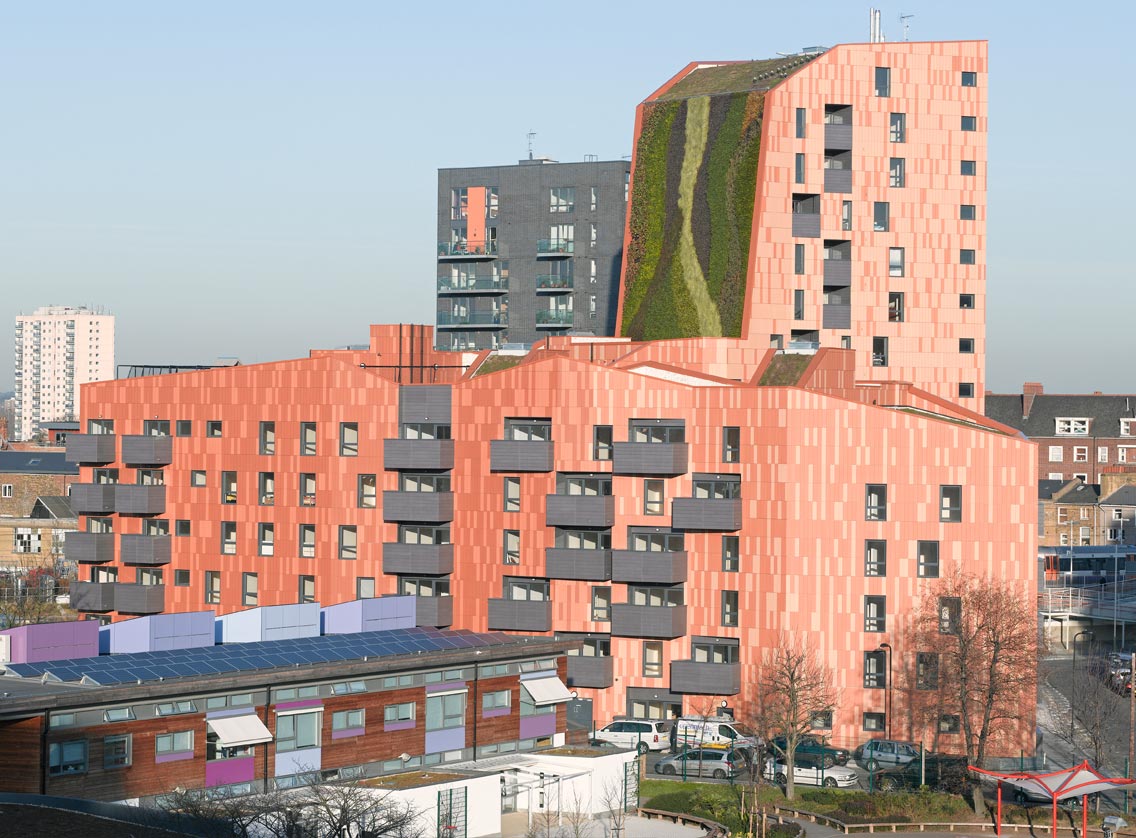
<point x="529" y="250"/>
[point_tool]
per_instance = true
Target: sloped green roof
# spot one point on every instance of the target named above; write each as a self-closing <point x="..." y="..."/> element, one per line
<point x="735" y="78"/>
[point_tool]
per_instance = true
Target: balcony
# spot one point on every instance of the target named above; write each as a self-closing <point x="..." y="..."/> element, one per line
<point x="148" y="450"/>
<point x="836" y="316"/>
<point x="838" y="180"/>
<point x="520" y="455"/>
<point x="147" y="550"/>
<point x="140" y="599"/>
<point x="93" y="596"/>
<point x="579" y="510"/>
<point x="549" y="284"/>
<point x="702" y="678"/>
<point x="573" y="563"/>
<point x="838" y="136"/>
<point x="418" y="559"/>
<point x="451" y="287"/>
<point x="89" y="547"/>
<point x="418" y="454"/>
<point x="661" y="621"/>
<point x="435" y="611"/>
<point x="139" y="500"/>
<point x="464" y="320"/>
<point x="662" y="458"/>
<point x="90" y="448"/>
<point x="590" y="671"/>
<point x="657" y="567"/>
<point x="707" y="514"/>
<point x="555" y="248"/>
<point x="471" y="251"/>
<point x="92" y="498"/>
<point x="520" y="615"/>
<point x="427" y="507"/>
<point x="838" y="272"/>
<point x="554" y="319"/>
<point x="806" y="224"/>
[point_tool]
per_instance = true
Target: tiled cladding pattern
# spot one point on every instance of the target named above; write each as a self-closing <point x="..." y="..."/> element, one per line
<point x="926" y="86"/>
<point x="805" y="458"/>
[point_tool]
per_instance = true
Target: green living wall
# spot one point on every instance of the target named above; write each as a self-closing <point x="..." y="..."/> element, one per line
<point x="690" y="217"/>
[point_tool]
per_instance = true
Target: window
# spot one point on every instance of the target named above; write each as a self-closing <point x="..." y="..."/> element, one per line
<point x="267" y="437"/>
<point x="731" y="553"/>
<point x="966" y="256"/>
<point x="874" y="722"/>
<point x="594" y="201"/>
<point x="307" y="489"/>
<point x="265" y="539"/>
<point x="459" y="203"/>
<point x="879" y="352"/>
<point x="445" y="712"/>
<point x="228" y="538"/>
<point x="875" y="558"/>
<point x="1118" y="514"/>
<point x="798" y="304"/>
<point x="297" y="731"/>
<point x="969" y="123"/>
<point x="949" y="723"/>
<point x="7" y="490"/>
<point x="197" y="479"/>
<point x="966" y="389"/>
<point x="897" y="128"/>
<point x="181" y="578"/>
<point x="875" y="613"/>
<point x="601" y="604"/>
<point x="306" y="589"/>
<point x="496" y="702"/>
<point x="1127" y="426"/>
<point x="966" y="346"/>
<point x="348" y="439"/>
<point x="368" y="491"/>
<point x="511" y="550"/>
<point x="307" y="439"/>
<point x="875" y="670"/>
<point x="799" y="168"/>
<point x="593" y="233"/>
<point x="266" y="488"/>
<point x="967" y="212"/>
<point x="184" y="427"/>
<point x="846" y="215"/>
<point x="950" y="504"/>
<point x="364" y="587"/>
<point x="524" y="589"/>
<point x="729" y="608"/>
<point x="67" y="757"/>
<point x="348" y="720"/>
<point x="156" y="427"/>
<point x="969" y="168"/>
<point x="652" y="659"/>
<point x="895" y="307"/>
<point x="926" y="670"/>
<point x="966" y="301"/>
<point x="897" y="172"/>
<point x="802" y="114"/>
<point x="1072" y="427"/>
<point x="562" y="199"/>
<point x="249" y="589"/>
<point x="1080" y="454"/>
<point x="213" y="428"/>
<point x="307" y="541"/>
<point x="528" y="430"/>
<point x="512" y="494"/>
<point x="969" y="78"/>
<point x="731" y="444"/>
<point x="398" y="713"/>
<point x="928" y="552"/>
<point x="228" y="487"/>
<point x="116" y="751"/>
<point x="166" y="744"/>
<point x="880" y="216"/>
<point x="875" y="505"/>
<point x="722" y="487"/>
<point x="1056" y="453"/>
<point x="601" y="442"/>
<point x="348" y="543"/>
<point x="896" y="261"/>
<point x="821" y="720"/>
<point x="883" y="81"/>
<point x="653" y="497"/>
<point x="798" y="259"/>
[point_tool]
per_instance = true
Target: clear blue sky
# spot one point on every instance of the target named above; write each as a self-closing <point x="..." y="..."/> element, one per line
<point x="257" y="178"/>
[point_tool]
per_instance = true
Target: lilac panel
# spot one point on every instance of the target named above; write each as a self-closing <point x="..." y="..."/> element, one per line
<point x="407" y="725"/>
<point x="19" y="643"/>
<point x="296" y="705"/>
<point x="543" y="725"/>
<point x="493" y="714"/>
<point x="452" y="739"/>
<point x="225" y="771"/>
<point x="449" y="685"/>
<point x="178" y="757"/>
<point x="344" y="618"/>
<point x="347" y="733"/>
<point x="60" y="641"/>
<point x="297" y="762"/>
<point x="131" y="635"/>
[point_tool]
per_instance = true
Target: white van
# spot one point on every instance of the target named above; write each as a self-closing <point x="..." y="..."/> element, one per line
<point x="722" y="731"/>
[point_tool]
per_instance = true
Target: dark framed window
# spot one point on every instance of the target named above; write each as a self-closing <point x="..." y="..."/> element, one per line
<point x="184" y="427"/>
<point x="821" y="720"/>
<point x="881" y="216"/>
<point x="512" y="486"/>
<point x="652" y="659"/>
<point x="966" y="301"/>
<point x="349" y="439"/>
<point x="969" y="78"/>
<point x="511" y="547"/>
<point x="966" y="346"/>
<point x="875" y="502"/>
<point x="601" y="442"/>
<point x="732" y="443"/>
<point x="897" y="127"/>
<point x="213" y="428"/>
<point x="883" y="81"/>
<point x="969" y="168"/>
<point x="731" y="553"/>
<point x="798" y="259"/>
<point x="181" y="578"/>
<point x="926" y="670"/>
<point x="729" y="608"/>
<point x="970" y="123"/>
<point x="950" y="614"/>
<point x="949" y="723"/>
<point x="875" y="670"/>
<point x="875" y="722"/>
<point x="798" y="304"/>
<point x="601" y="604"/>
<point x="895" y="307"/>
<point x="348" y="543"/>
<point x="364" y="587"/>
<point x="117" y="751"/>
<point x="875" y="613"/>
<point x="875" y="557"/>
<point x="897" y="172"/>
<point x="182" y="528"/>
<point x="928" y="552"/>
<point x="967" y="256"/>
<point x="966" y="389"/>
<point x="968" y="212"/>
<point x="950" y="504"/>
<point x="802" y="115"/>
<point x="653" y="497"/>
<point x="799" y="168"/>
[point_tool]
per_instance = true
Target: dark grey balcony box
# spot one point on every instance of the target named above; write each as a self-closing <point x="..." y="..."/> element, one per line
<point x="579" y="510"/>
<point x="151" y="550"/>
<point x="571" y="563"/>
<point x="664" y="621"/>
<point x="664" y="458"/>
<point x="148" y="450"/>
<point x="838" y="272"/>
<point x="838" y="180"/>
<point x="589" y="671"/>
<point x="520" y="455"/>
<point x="90" y="448"/>
<point x="838" y="136"/>
<point x="706" y="678"/>
<point x="707" y="514"/>
<point x="836" y="316"/>
<point x="435" y="611"/>
<point x="428" y="507"/>
<point x="140" y="599"/>
<point x="806" y="225"/>
<point x="89" y="547"/>
<point x="415" y="559"/>
<point x="92" y="498"/>
<point x="418" y="454"/>
<point x="648" y="566"/>
<point x="139" y="500"/>
<point x="93" y="596"/>
<point x="520" y="614"/>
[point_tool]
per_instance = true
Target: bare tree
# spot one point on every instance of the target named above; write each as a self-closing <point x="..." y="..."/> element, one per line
<point x="350" y="808"/>
<point x="794" y="688"/>
<point x="615" y="803"/>
<point x="1097" y="706"/>
<point x="214" y="815"/>
<point x="577" y="815"/>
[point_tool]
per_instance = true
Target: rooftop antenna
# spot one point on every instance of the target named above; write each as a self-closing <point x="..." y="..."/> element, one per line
<point x="903" y="22"/>
<point x="531" y="135"/>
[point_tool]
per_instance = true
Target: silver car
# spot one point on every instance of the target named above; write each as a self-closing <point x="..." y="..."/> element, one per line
<point x="719" y="763"/>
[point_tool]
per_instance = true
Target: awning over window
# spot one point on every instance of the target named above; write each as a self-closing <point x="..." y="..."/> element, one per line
<point x="548" y="690"/>
<point x="238" y="731"/>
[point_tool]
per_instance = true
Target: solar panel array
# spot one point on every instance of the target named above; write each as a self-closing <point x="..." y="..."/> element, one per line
<point x="266" y="654"/>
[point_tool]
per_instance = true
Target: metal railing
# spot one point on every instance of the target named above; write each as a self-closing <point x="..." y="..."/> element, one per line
<point x="565" y="246"/>
<point x="473" y="283"/>
<point x="549" y="282"/>
<point x="467" y="248"/>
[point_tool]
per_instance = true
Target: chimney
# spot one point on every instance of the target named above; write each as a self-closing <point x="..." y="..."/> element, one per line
<point x="1029" y="390"/>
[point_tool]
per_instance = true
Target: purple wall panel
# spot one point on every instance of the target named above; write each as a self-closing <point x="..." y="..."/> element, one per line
<point x="225" y="771"/>
<point x="54" y="641"/>
<point x="543" y="725"/>
<point x="445" y="740"/>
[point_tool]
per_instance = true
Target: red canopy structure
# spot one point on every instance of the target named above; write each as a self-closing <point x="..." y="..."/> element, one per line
<point x="1078" y="781"/>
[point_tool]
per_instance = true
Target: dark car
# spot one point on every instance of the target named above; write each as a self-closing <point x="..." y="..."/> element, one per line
<point x="811" y="745"/>
<point x="937" y="771"/>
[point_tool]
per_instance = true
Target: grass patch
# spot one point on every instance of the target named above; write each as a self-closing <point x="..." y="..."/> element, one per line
<point x="731" y="78"/>
<point x="412" y="779"/>
<point x="785" y="370"/>
<point x="496" y="363"/>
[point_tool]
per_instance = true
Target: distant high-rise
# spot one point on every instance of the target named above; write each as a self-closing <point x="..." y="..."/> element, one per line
<point x="57" y="349"/>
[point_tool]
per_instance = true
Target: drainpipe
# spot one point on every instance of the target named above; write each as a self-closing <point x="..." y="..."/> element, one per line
<point x="267" y="704"/>
<point x="476" y="708"/>
<point x="43" y="752"/>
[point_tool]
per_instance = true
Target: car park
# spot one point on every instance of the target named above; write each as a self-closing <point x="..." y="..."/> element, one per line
<point x="811" y="745"/>
<point x="809" y="770"/>
<point x="719" y="763"/>
<point x="940" y="772"/>
<point x="642" y="734"/>
<point x="884" y="753"/>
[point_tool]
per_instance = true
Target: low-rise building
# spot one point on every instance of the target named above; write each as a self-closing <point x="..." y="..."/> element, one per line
<point x="27" y="475"/>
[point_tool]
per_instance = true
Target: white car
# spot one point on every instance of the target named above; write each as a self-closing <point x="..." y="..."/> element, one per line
<point x="642" y="735"/>
<point x="808" y="771"/>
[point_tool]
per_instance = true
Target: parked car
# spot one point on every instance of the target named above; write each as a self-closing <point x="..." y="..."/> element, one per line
<point x="940" y="772"/>
<point x="697" y="731"/>
<point x="811" y="745"/>
<point x="719" y="763"/>
<point x="643" y="735"/>
<point x="884" y="753"/>
<point x="810" y="770"/>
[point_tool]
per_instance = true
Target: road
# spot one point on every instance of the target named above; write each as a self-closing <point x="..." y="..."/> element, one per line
<point x="1098" y="709"/>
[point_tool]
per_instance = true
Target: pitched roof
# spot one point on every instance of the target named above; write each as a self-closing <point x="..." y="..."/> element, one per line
<point x="36" y="462"/>
<point x="1047" y="488"/>
<point x="52" y="506"/>
<point x="1124" y="496"/>
<point x="1085" y="493"/>
<point x="1105" y="412"/>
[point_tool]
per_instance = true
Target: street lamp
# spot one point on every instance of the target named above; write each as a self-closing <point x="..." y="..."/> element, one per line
<point x="1073" y="686"/>
<point x="886" y="649"/>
